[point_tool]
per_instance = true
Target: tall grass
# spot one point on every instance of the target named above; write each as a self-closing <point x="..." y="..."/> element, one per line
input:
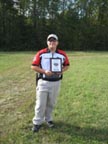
<point x="81" y="112"/>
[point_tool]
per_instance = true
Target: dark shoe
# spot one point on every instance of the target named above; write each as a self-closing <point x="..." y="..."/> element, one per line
<point x="50" y="124"/>
<point x="36" y="128"/>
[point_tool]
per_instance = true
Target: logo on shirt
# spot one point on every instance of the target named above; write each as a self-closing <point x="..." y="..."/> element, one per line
<point x="34" y="59"/>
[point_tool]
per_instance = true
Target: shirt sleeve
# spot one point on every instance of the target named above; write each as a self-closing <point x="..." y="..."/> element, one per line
<point x="36" y="60"/>
<point x="66" y="60"/>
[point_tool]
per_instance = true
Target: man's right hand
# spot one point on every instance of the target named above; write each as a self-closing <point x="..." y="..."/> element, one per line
<point x="48" y="73"/>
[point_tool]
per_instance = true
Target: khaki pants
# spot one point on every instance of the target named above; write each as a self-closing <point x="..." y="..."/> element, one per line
<point x="46" y="93"/>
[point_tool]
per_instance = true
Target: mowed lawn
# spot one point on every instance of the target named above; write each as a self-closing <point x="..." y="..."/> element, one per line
<point x="81" y="112"/>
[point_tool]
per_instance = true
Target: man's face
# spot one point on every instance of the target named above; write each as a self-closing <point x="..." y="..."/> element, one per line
<point x="52" y="44"/>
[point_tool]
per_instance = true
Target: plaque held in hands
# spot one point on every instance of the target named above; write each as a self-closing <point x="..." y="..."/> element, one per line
<point x="56" y="65"/>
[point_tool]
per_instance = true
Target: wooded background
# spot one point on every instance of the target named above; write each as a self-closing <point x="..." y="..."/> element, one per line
<point x="79" y="24"/>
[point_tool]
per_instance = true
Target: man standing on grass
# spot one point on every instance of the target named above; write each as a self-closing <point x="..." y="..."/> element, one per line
<point x="49" y="63"/>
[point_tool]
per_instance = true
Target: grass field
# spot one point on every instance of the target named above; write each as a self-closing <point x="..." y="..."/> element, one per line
<point x="81" y="112"/>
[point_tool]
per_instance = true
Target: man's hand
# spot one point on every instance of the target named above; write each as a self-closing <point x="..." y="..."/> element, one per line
<point x="48" y="73"/>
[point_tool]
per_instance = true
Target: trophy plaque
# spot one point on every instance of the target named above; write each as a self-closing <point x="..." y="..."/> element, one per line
<point x="56" y="65"/>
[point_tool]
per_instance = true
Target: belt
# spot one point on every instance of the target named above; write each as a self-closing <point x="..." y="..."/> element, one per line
<point x="52" y="80"/>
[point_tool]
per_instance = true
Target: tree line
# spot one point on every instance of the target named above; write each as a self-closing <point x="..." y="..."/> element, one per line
<point x="79" y="24"/>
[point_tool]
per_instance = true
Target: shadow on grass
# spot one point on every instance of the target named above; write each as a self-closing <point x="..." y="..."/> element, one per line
<point x="86" y="132"/>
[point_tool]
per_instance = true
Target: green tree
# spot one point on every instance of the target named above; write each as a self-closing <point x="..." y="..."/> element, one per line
<point x="80" y="24"/>
<point x="7" y="25"/>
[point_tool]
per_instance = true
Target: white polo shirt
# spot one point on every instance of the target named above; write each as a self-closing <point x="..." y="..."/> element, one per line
<point x="42" y="59"/>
